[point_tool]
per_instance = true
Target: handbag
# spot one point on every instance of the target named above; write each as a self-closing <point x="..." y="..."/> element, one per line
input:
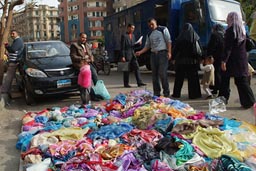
<point x="197" y="49"/>
<point x="250" y="44"/>
<point x="123" y="66"/>
<point x="100" y="89"/>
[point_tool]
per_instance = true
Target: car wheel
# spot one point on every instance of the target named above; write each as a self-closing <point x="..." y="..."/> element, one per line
<point x="28" y="96"/>
<point x="107" y="68"/>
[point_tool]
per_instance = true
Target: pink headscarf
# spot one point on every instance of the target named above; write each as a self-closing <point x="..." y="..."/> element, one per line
<point x="233" y="19"/>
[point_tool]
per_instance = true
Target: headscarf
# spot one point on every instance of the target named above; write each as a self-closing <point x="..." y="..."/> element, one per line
<point x="233" y="19"/>
<point x="188" y="33"/>
<point x="219" y="29"/>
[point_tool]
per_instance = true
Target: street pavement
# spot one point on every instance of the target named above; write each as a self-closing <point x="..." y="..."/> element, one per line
<point x="10" y="123"/>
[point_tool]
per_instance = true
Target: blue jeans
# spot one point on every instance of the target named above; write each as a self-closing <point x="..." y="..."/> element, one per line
<point x="159" y="66"/>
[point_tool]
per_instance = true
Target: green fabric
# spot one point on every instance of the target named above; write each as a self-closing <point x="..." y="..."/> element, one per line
<point x="185" y="153"/>
<point x="228" y="163"/>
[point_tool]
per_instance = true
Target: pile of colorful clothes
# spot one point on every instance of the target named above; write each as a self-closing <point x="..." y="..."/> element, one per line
<point x="135" y="131"/>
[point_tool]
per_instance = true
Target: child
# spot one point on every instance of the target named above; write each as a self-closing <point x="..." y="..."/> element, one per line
<point x="208" y="76"/>
<point x="84" y="80"/>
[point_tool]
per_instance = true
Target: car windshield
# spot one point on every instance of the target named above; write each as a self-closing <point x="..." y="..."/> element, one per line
<point x="219" y="9"/>
<point x="46" y="49"/>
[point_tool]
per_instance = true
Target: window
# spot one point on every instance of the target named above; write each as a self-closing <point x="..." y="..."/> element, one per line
<point x="109" y="27"/>
<point x="121" y="21"/>
<point x="74" y="17"/>
<point x="98" y="23"/>
<point x="98" y="33"/>
<point x="137" y="16"/>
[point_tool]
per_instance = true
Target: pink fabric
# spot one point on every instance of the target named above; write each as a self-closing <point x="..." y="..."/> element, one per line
<point x="84" y="77"/>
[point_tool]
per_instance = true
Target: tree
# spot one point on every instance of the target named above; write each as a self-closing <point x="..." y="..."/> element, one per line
<point x="249" y="6"/>
<point x="6" y="8"/>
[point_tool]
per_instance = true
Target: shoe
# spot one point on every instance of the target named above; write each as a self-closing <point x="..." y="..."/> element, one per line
<point x="247" y="106"/>
<point x="141" y="84"/>
<point x="167" y="95"/>
<point x="173" y="96"/>
<point x="209" y="97"/>
<point x="127" y="86"/>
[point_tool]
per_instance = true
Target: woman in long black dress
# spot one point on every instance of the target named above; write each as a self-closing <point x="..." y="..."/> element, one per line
<point x="186" y="63"/>
<point x="235" y="62"/>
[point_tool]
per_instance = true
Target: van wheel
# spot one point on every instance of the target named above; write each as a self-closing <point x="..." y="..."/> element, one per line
<point x="28" y="96"/>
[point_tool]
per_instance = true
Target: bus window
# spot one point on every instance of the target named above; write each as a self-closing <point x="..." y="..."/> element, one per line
<point x="121" y="21"/>
<point x="136" y="16"/>
<point x="109" y="27"/>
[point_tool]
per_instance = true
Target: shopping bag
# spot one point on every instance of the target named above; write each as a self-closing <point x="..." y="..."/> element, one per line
<point x="100" y="89"/>
<point x="217" y="105"/>
<point x="123" y="66"/>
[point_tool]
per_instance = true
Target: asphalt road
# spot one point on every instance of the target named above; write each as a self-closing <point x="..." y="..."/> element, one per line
<point x="10" y="122"/>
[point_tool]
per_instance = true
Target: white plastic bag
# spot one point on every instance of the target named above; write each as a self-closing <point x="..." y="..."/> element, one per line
<point x="217" y="105"/>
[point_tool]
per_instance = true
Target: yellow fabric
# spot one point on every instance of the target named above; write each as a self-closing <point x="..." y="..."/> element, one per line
<point x="74" y="133"/>
<point x="247" y="138"/>
<point x="213" y="142"/>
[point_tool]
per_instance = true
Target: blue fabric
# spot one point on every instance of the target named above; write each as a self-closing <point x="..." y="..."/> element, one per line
<point x="111" y="131"/>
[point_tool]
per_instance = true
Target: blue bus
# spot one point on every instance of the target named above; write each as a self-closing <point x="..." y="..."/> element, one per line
<point x="202" y="14"/>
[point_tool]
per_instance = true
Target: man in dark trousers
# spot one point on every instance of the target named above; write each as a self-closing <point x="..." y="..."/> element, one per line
<point x="14" y="55"/>
<point x="159" y="43"/>
<point x="128" y="55"/>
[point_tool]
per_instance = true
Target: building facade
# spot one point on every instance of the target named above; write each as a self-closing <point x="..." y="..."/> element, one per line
<point x="87" y="16"/>
<point x="37" y="23"/>
<point x="120" y="5"/>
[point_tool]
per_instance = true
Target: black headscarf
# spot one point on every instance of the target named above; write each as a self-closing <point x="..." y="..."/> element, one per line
<point x="188" y="33"/>
<point x="219" y="29"/>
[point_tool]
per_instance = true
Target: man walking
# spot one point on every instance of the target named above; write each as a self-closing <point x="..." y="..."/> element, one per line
<point x="14" y="55"/>
<point x="127" y="53"/>
<point x="159" y="41"/>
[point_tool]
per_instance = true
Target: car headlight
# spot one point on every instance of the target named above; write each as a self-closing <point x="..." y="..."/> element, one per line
<point x="35" y="73"/>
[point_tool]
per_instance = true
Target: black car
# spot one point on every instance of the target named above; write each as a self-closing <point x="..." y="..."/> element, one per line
<point x="46" y="69"/>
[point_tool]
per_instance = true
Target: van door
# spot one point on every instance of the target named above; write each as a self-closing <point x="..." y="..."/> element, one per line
<point x="161" y="13"/>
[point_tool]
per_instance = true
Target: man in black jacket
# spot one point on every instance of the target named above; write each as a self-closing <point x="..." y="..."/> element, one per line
<point x="128" y="55"/>
<point x="14" y="55"/>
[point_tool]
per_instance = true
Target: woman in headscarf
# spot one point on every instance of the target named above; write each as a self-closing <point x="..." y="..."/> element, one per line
<point x="235" y="63"/>
<point x="215" y="48"/>
<point x="186" y="63"/>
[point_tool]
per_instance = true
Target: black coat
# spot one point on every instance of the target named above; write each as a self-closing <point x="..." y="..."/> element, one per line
<point x="183" y="52"/>
<point x="216" y="47"/>
<point x="235" y="55"/>
<point x="127" y="46"/>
